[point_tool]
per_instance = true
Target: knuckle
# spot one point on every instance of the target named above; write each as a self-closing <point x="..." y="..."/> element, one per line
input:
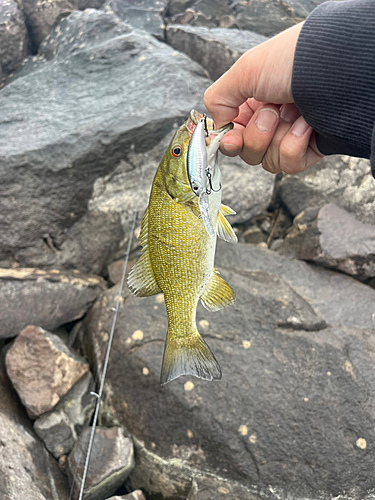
<point x="209" y="98"/>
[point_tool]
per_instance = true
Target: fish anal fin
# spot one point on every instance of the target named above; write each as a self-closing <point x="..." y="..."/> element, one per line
<point x="224" y="229"/>
<point x="188" y="355"/>
<point x="141" y="279"/>
<point x="225" y="210"/>
<point x="217" y="294"/>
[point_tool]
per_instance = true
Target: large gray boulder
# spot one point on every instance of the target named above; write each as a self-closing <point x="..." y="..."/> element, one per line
<point x="65" y="123"/>
<point x="247" y="189"/>
<point x="13" y="37"/>
<point x="332" y="237"/>
<point x="145" y="15"/>
<point x="205" y="488"/>
<point x="216" y="49"/>
<point x="27" y="470"/>
<point x="266" y="17"/>
<point x="43" y="16"/>
<point x="44" y="298"/>
<point x="342" y="180"/>
<point x="293" y="411"/>
<point x="338" y="299"/>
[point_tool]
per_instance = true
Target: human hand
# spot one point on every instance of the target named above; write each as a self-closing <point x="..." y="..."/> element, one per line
<point x="255" y="93"/>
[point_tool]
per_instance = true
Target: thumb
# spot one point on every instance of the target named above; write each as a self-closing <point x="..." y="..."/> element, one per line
<point x="224" y="97"/>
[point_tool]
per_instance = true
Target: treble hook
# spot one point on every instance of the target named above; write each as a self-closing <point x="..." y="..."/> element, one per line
<point x="210" y="189"/>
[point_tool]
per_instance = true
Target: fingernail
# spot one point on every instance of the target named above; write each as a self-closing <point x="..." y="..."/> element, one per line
<point x="266" y="120"/>
<point x="300" y="127"/>
<point x="287" y="113"/>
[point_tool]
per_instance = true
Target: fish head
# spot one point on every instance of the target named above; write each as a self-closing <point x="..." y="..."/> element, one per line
<point x="191" y="152"/>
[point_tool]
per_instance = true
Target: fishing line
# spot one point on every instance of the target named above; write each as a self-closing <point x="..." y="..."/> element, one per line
<point x="98" y="395"/>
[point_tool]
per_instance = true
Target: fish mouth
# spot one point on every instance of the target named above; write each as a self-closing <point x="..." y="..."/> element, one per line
<point x="194" y="119"/>
<point x="213" y="137"/>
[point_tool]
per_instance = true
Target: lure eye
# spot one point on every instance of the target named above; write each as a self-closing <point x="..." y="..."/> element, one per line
<point x="176" y="151"/>
<point x="195" y="188"/>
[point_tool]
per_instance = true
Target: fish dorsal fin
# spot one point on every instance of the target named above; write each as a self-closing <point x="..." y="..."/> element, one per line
<point x="224" y="229"/>
<point x="217" y="294"/>
<point x="143" y="235"/>
<point x="225" y="210"/>
<point x="141" y="279"/>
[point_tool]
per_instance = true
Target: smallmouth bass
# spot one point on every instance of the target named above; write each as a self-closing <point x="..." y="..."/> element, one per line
<point x="178" y="248"/>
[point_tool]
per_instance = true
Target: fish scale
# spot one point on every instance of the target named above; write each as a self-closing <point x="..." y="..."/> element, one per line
<point x="178" y="257"/>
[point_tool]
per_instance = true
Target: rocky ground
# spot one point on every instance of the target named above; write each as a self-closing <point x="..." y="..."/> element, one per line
<point x="91" y="92"/>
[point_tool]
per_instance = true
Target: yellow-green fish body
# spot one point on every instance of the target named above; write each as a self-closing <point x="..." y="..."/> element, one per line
<point x="178" y="257"/>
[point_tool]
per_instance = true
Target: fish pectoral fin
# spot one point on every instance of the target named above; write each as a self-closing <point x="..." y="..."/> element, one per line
<point x="217" y="294"/>
<point x="225" y="210"/>
<point x="224" y="229"/>
<point x="188" y="354"/>
<point x="141" y="279"/>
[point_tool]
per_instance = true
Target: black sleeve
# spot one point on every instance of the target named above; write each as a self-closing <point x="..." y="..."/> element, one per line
<point x="333" y="81"/>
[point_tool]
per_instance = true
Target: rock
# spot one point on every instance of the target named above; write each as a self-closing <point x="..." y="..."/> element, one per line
<point x="13" y="37"/>
<point x="30" y="296"/>
<point x="134" y="495"/>
<point x="292" y="404"/>
<point x="112" y="460"/>
<point x="342" y="180"/>
<point x="247" y="190"/>
<point x="42" y="369"/>
<point x="254" y="235"/>
<point x="216" y="49"/>
<point x="60" y="427"/>
<point x="178" y="7"/>
<point x="302" y="8"/>
<point x="27" y="470"/>
<point x="53" y="150"/>
<point x="115" y="271"/>
<point x="56" y="432"/>
<point x="42" y="16"/>
<point x="332" y="237"/>
<point x="140" y="14"/>
<point x="209" y="13"/>
<point x="215" y="489"/>
<point x="337" y="298"/>
<point x="266" y="17"/>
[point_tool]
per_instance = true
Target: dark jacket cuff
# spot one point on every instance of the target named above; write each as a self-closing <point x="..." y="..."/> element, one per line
<point x="333" y="81"/>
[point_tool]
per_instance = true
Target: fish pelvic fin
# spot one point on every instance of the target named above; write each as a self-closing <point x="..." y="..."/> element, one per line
<point x="141" y="279"/>
<point x="188" y="355"/>
<point x="225" y="210"/>
<point x="217" y="294"/>
<point x="224" y="229"/>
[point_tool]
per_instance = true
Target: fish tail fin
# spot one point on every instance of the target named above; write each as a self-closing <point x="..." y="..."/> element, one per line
<point x="188" y="355"/>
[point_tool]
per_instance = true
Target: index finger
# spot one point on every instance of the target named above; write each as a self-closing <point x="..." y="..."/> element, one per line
<point x="224" y="97"/>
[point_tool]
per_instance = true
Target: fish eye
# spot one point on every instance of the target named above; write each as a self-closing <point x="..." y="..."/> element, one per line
<point x="176" y="151"/>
